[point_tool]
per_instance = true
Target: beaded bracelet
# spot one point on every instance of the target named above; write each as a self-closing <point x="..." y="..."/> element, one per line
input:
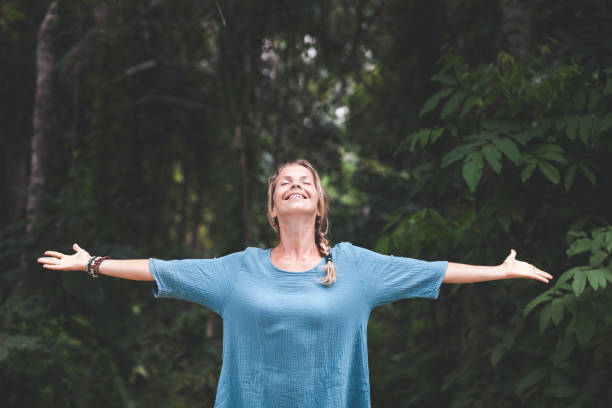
<point x="93" y="267"/>
<point x="88" y="270"/>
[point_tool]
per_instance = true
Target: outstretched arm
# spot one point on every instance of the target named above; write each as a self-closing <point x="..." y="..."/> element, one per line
<point x="509" y="269"/>
<point x="134" y="269"/>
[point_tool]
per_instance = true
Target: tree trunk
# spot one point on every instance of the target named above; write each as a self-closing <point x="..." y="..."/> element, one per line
<point x="516" y="27"/>
<point x="13" y="177"/>
<point x="241" y="144"/>
<point x="45" y="62"/>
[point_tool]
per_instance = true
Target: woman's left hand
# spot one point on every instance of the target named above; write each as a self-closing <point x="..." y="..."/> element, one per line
<point x="520" y="269"/>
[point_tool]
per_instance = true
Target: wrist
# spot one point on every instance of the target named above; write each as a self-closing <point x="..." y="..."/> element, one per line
<point x="504" y="271"/>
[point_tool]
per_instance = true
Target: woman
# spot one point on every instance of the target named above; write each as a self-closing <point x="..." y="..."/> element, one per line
<point x="295" y="316"/>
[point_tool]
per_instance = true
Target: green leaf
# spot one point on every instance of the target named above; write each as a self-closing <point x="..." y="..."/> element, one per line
<point x="508" y="147"/>
<point x="422" y="136"/>
<point x="472" y="169"/>
<point x="564" y="348"/>
<point x="597" y="258"/>
<point x="549" y="171"/>
<point x="588" y="174"/>
<point x="602" y="275"/>
<point x="493" y="157"/>
<point x="585" y="128"/>
<point x="470" y="102"/>
<point x="598" y="240"/>
<point x="557" y="311"/>
<point x="498" y="353"/>
<point x="604" y="124"/>
<point x="572" y="127"/>
<point x="436" y="133"/>
<point x="545" y="316"/>
<point x="504" y="127"/>
<point x="452" y="104"/>
<point x="433" y="101"/>
<point x="552" y="152"/>
<point x="579" y="283"/>
<point x="544" y="297"/>
<point x="570" y="174"/>
<point x="570" y="303"/>
<point x="527" y="172"/>
<point x="444" y="78"/>
<point x="567" y="275"/>
<point x="584" y="325"/>
<point x="578" y="246"/>
<point x="593" y="275"/>
<point x="608" y="240"/>
<point x="458" y="153"/>
<point x="532" y="379"/>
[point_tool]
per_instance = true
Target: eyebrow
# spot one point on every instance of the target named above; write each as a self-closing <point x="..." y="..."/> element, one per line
<point x="301" y="178"/>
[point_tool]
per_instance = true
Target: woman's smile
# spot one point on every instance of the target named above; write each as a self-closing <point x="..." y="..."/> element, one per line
<point x="296" y="195"/>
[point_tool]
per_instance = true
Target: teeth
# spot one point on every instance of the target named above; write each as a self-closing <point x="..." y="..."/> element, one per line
<point x="296" y="195"/>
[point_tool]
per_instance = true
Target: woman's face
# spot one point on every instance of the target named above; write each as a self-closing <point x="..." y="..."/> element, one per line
<point x="295" y="192"/>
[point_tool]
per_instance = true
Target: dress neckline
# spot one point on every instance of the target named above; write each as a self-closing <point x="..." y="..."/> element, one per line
<point x="313" y="269"/>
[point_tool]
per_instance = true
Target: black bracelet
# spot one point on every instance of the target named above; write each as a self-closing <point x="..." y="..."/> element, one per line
<point x="95" y="266"/>
<point x="89" y="265"/>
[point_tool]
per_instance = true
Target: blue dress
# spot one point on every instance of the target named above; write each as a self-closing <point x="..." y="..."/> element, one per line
<point x="288" y="340"/>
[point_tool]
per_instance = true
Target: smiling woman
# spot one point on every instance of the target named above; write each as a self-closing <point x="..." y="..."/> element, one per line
<point x="294" y="316"/>
<point x="295" y="188"/>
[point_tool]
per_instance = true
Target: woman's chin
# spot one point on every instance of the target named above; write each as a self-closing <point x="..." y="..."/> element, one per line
<point x="298" y="209"/>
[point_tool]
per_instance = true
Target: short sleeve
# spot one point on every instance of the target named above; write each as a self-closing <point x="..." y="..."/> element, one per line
<point x="203" y="281"/>
<point x="387" y="278"/>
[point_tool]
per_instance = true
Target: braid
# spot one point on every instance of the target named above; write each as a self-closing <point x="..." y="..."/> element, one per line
<point x="324" y="249"/>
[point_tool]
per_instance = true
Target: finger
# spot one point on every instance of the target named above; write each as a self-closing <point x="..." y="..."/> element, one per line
<point x="538" y="277"/>
<point x="54" y="267"/>
<point x="76" y="247"/>
<point x="512" y="255"/>
<point x="545" y="274"/>
<point x="54" y="261"/>
<point x="54" y="253"/>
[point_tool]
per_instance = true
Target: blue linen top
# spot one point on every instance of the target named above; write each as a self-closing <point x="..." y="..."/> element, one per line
<point x="288" y="340"/>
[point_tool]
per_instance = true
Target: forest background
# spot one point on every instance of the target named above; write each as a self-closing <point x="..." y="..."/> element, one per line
<point x="444" y="130"/>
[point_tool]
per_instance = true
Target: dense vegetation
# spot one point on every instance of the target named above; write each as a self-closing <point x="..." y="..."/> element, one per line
<point x="444" y="130"/>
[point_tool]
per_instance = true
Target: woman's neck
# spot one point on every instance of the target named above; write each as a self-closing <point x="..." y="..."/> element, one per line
<point x="297" y="241"/>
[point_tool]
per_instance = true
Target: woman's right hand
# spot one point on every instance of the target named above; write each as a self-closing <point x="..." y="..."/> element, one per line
<point x="63" y="262"/>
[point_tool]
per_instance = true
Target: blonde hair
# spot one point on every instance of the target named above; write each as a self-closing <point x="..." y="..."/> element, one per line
<point x="321" y="227"/>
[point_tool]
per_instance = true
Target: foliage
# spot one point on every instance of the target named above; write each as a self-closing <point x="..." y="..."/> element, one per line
<point x="521" y="148"/>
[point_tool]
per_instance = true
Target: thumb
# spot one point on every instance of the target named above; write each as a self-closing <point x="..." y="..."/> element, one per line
<point x="76" y="247"/>
<point x="512" y="254"/>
